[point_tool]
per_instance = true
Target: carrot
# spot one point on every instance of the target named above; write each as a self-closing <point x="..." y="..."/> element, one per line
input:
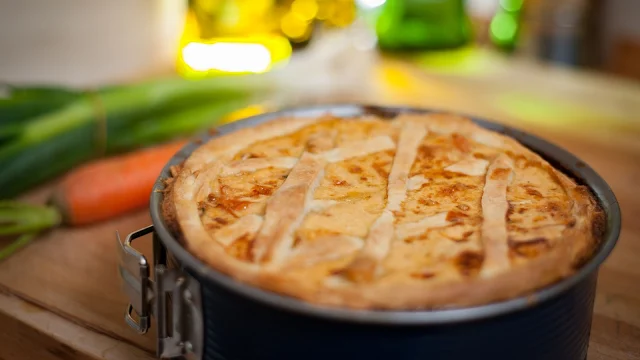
<point x="94" y="192"/>
<point x="111" y="187"/>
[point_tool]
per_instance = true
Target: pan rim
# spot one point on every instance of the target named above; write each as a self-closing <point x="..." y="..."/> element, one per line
<point x="558" y="157"/>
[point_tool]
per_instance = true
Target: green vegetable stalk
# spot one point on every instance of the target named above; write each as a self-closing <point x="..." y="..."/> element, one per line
<point x="46" y="131"/>
<point x="24" y="221"/>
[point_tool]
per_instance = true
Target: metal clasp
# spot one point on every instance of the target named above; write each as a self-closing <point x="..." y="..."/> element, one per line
<point x="134" y="271"/>
<point x="173" y="298"/>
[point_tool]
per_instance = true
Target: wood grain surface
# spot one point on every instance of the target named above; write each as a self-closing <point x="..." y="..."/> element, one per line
<point x="70" y="274"/>
<point x="31" y="332"/>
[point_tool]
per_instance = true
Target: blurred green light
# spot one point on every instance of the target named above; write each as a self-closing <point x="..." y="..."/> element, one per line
<point x="511" y="5"/>
<point x="503" y="28"/>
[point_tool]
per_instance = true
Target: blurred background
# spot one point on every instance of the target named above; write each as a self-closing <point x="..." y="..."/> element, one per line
<point x="97" y="95"/>
<point x="83" y="80"/>
<point x="93" y="42"/>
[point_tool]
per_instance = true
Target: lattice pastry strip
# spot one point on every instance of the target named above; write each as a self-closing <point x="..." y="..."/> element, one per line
<point x="477" y="214"/>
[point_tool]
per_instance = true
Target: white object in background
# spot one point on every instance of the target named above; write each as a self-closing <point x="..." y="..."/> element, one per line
<point x="231" y="57"/>
<point x="88" y="43"/>
<point x="369" y="4"/>
<point x="484" y="9"/>
<point x="331" y="64"/>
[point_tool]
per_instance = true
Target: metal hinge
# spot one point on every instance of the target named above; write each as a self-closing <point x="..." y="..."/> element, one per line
<point x="172" y="297"/>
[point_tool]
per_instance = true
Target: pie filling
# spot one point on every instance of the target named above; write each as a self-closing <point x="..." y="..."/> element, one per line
<point x="420" y="211"/>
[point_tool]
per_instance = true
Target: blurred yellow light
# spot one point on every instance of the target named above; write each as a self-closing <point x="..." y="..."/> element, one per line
<point x="229" y="57"/>
<point x="244" y="113"/>
<point x="199" y="58"/>
<point x="344" y="13"/>
<point x="326" y="8"/>
<point x="305" y="9"/>
<point x="257" y="7"/>
<point x="293" y="26"/>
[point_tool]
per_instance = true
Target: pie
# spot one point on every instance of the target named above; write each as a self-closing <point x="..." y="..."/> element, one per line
<point x="421" y="211"/>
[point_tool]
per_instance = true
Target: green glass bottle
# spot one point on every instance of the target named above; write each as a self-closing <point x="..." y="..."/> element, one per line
<point x="422" y="24"/>
<point x="505" y="25"/>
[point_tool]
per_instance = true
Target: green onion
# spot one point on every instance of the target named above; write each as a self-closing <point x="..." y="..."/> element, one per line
<point x="18" y="218"/>
<point x="26" y="221"/>
<point x="22" y="241"/>
<point x="21" y="103"/>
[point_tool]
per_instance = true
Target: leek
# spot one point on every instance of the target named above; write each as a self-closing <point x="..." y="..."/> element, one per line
<point x="70" y="130"/>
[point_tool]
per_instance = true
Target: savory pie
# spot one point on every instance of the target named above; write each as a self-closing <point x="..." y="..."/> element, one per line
<point x="420" y="211"/>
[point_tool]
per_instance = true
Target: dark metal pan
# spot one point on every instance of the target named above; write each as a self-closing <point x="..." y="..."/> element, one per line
<point x="204" y="314"/>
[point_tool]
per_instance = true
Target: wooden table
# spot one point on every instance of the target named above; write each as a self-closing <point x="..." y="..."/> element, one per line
<point x="60" y="297"/>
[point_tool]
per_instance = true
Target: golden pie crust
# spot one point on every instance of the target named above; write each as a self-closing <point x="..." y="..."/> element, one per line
<point x="420" y="211"/>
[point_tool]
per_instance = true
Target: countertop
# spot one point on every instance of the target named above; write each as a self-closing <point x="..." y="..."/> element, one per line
<point x="60" y="297"/>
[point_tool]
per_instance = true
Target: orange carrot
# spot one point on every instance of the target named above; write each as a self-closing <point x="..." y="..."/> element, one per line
<point x="111" y="187"/>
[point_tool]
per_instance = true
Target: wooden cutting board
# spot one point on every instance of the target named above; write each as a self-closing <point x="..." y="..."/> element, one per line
<point x="72" y="274"/>
<point x="65" y="284"/>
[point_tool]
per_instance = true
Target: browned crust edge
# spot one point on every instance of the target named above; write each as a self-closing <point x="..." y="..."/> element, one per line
<point x="579" y="244"/>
